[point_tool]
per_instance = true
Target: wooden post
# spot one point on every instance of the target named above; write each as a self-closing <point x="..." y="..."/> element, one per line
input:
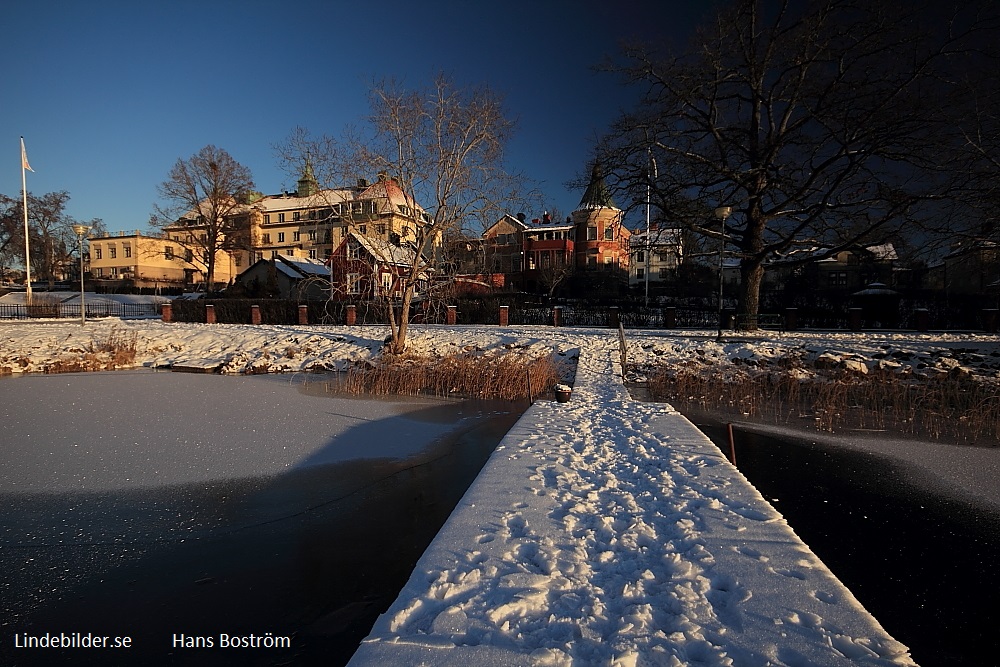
<point x="557" y="316"/>
<point x="350" y="315"/>
<point x="303" y="314"/>
<point x="923" y="318"/>
<point x="452" y="314"/>
<point x="614" y="317"/>
<point x="504" y="315"/>
<point x="254" y="314"/>
<point x="732" y="445"/>
<point x="167" y="312"/>
<point x="209" y="313"/>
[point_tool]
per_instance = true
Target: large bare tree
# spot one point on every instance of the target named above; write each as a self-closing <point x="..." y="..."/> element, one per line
<point x="203" y="202"/>
<point x="825" y="123"/>
<point x="443" y="146"/>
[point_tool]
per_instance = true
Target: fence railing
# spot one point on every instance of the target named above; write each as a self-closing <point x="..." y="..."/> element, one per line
<point x="72" y="310"/>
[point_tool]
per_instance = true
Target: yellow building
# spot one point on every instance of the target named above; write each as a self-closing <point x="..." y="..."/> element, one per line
<point x="311" y="222"/>
<point x="155" y="261"/>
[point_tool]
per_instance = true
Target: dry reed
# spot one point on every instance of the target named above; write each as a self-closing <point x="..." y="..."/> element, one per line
<point x="117" y="349"/>
<point x="504" y="377"/>
<point x="952" y="408"/>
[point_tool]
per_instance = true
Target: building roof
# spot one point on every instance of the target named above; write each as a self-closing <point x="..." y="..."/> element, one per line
<point x="303" y="266"/>
<point x="597" y="194"/>
<point x="384" y="251"/>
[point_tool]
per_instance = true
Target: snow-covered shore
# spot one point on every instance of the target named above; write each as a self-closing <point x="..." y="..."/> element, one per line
<point x="604" y="530"/>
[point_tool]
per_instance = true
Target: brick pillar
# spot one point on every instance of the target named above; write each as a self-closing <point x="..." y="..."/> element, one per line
<point x="254" y="314"/>
<point x="669" y="317"/>
<point x="854" y="319"/>
<point x="504" y="315"/>
<point x="923" y="319"/>
<point x="167" y="312"/>
<point x="209" y="314"/>
<point x="990" y="320"/>
<point x="557" y="316"/>
<point x="614" y="317"/>
<point x="452" y="314"/>
<point x="351" y="316"/>
<point x="303" y="314"/>
<point x="791" y="319"/>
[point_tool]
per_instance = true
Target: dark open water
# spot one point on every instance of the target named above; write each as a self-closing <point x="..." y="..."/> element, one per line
<point x="924" y="563"/>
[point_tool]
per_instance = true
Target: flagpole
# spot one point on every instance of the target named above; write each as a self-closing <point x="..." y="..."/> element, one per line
<point x="27" y="253"/>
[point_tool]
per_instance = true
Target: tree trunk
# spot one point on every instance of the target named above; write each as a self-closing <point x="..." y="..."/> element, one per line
<point x="752" y="275"/>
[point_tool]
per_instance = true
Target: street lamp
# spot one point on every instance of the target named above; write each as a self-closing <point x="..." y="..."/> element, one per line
<point x="81" y="231"/>
<point x="722" y="213"/>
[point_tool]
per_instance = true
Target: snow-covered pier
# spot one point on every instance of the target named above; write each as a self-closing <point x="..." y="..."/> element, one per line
<point x="610" y="531"/>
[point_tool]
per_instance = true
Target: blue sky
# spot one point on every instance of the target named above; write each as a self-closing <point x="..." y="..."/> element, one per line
<point x="109" y="94"/>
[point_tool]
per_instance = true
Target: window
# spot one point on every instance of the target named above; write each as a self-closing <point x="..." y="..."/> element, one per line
<point x="274" y="254"/>
<point x="838" y="279"/>
<point x="296" y="216"/>
<point x="363" y="230"/>
<point x="296" y="236"/>
<point x="386" y="282"/>
<point x="640" y="256"/>
<point x="380" y="229"/>
<point x="353" y="283"/>
<point x="99" y="272"/>
<point x="609" y="233"/>
<point x="97" y="252"/>
<point x="267" y="218"/>
<point x="664" y="273"/>
<point x="188" y="256"/>
<point x="592" y="233"/>
<point x="312" y="234"/>
<point x="127" y="249"/>
<point x="281" y="217"/>
<point x="112" y="252"/>
<point x="266" y="238"/>
<point x="238" y="260"/>
<point x="168" y="252"/>
<point x="640" y="273"/>
<point x="312" y="253"/>
<point x="281" y="237"/>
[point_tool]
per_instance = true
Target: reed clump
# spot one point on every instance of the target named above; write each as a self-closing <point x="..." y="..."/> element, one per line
<point x="507" y="377"/>
<point x="115" y="349"/>
<point x="952" y="408"/>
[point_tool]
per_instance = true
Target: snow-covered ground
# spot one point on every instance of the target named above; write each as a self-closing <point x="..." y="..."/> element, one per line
<point x="603" y="530"/>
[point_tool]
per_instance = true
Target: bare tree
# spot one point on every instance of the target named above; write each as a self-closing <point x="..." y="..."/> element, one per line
<point x="827" y="123"/>
<point x="443" y="149"/>
<point x="204" y="200"/>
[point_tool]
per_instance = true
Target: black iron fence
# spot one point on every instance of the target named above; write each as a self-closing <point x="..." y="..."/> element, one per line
<point x="72" y="310"/>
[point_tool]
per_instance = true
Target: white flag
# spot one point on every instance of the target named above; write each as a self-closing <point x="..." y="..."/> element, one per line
<point x="24" y="158"/>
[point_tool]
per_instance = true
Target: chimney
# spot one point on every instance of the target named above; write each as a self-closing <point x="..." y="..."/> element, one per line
<point x="546" y="218"/>
<point x="521" y="217"/>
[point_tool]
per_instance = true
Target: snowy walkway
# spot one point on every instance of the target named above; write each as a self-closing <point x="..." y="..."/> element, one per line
<point x="607" y="531"/>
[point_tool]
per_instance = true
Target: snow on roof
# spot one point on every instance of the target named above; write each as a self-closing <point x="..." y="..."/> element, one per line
<point x="384" y="251"/>
<point x="305" y="265"/>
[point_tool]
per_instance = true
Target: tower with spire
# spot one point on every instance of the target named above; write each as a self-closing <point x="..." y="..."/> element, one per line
<point x="601" y="238"/>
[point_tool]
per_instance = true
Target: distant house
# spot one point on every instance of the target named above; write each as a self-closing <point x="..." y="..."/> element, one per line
<point x="286" y="277"/>
<point x="970" y="268"/>
<point x="655" y="255"/>
<point x="367" y="268"/>
<point x="842" y="272"/>
<point x="141" y="260"/>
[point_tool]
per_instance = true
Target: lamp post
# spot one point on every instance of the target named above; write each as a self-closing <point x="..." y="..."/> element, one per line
<point x="722" y="213"/>
<point x="81" y="231"/>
